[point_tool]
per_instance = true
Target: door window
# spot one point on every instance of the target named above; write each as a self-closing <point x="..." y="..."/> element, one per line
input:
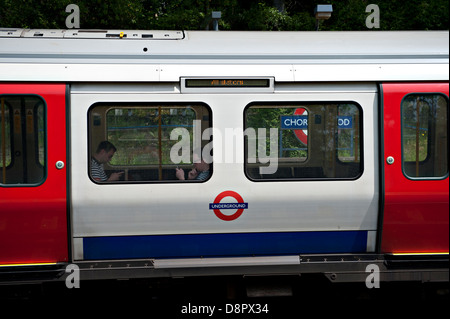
<point x="424" y="135"/>
<point x="150" y="142"/>
<point x="22" y="140"/>
<point x="305" y="141"/>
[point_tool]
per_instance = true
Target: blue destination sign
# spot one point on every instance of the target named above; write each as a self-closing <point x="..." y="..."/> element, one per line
<point x="294" y="122"/>
<point x="300" y="122"/>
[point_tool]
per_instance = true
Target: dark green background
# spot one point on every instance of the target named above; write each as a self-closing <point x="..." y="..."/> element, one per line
<point x="274" y="15"/>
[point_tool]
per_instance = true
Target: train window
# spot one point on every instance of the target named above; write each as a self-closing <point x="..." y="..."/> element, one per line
<point x="303" y="141"/>
<point x="22" y="140"/>
<point x="5" y="135"/>
<point x="151" y="142"/>
<point x="424" y="135"/>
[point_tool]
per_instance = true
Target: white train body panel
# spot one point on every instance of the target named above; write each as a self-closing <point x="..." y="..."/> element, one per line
<point x="174" y="208"/>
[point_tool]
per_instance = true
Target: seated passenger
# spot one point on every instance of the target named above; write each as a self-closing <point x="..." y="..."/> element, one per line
<point x="200" y="172"/>
<point x="105" y="152"/>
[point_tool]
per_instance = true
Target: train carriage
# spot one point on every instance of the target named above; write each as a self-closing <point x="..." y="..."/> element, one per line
<point x="299" y="152"/>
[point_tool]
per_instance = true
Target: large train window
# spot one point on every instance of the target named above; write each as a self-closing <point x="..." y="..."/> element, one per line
<point x="424" y="135"/>
<point x="301" y="141"/>
<point x="135" y="143"/>
<point x="22" y="140"/>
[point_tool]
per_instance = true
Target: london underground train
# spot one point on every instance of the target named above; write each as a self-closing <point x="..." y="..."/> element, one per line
<point x="150" y="154"/>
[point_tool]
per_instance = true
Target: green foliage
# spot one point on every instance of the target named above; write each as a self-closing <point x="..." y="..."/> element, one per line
<point x="295" y="15"/>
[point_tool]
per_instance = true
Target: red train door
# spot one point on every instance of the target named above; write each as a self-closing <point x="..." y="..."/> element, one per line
<point x="416" y="208"/>
<point x="33" y="209"/>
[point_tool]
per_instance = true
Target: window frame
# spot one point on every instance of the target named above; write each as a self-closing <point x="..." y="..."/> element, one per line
<point x="136" y="105"/>
<point x="306" y="105"/>
<point x="428" y="158"/>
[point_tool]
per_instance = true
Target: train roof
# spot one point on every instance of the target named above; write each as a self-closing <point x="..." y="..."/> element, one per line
<point x="115" y="55"/>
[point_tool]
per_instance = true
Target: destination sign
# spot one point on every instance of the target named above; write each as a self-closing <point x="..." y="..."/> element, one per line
<point x="300" y="122"/>
<point x="227" y="83"/>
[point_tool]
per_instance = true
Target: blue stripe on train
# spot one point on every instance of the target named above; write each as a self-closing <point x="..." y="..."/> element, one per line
<point x="221" y="245"/>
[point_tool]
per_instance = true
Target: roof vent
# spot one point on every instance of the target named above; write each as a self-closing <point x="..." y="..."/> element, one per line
<point x="10" y="33"/>
<point x="43" y="33"/>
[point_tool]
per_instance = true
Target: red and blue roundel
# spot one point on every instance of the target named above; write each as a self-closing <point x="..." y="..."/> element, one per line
<point x="217" y="206"/>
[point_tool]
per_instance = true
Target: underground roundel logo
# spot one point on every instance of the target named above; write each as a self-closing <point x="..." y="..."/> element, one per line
<point x="302" y="135"/>
<point x="217" y="206"/>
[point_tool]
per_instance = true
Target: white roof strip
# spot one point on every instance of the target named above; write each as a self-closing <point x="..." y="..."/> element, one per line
<point x="142" y="56"/>
<point x="92" y="34"/>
